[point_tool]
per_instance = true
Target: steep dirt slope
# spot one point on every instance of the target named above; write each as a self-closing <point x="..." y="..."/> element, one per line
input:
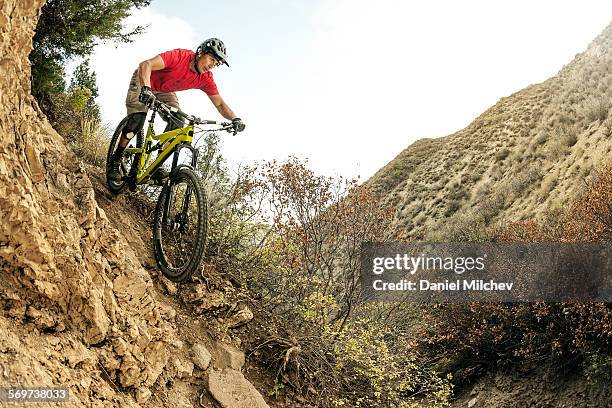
<point x="530" y="152"/>
<point x="79" y="308"/>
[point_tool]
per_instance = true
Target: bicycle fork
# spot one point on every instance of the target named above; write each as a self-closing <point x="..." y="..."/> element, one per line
<point x="181" y="220"/>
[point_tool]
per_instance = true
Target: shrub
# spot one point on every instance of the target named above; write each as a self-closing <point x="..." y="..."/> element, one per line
<point x="92" y="141"/>
<point x="541" y="138"/>
<point x="607" y="127"/>
<point x="568" y="136"/>
<point x="557" y="149"/>
<point x="497" y="335"/>
<point x="524" y="179"/>
<point x="501" y="154"/>
<point x="597" y="108"/>
<point x="388" y="377"/>
<point x="319" y="336"/>
<point x="452" y="207"/>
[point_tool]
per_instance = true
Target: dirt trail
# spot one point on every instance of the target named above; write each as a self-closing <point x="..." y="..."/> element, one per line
<point x="202" y="307"/>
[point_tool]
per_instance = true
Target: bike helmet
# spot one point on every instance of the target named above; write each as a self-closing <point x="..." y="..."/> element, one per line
<point x="216" y="47"/>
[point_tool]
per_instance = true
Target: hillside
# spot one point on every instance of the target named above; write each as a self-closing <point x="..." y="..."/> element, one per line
<point x="530" y="152"/>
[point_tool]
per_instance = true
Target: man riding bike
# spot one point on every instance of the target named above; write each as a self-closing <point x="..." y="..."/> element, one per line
<point x="163" y="75"/>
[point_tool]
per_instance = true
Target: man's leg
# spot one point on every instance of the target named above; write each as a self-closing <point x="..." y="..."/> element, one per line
<point x="137" y="115"/>
<point x="175" y="122"/>
<point x="132" y="127"/>
<point x="170" y="98"/>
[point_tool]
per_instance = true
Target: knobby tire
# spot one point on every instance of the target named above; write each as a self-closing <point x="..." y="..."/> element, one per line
<point x="178" y="245"/>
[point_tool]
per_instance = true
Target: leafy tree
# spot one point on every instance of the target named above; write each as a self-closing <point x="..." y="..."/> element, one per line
<point x="83" y="90"/>
<point x="84" y="77"/>
<point x="71" y="28"/>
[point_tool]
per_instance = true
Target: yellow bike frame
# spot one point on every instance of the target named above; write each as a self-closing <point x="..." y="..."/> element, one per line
<point x="170" y="140"/>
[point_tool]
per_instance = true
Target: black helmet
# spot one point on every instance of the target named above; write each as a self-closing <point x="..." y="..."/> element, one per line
<point x="216" y="47"/>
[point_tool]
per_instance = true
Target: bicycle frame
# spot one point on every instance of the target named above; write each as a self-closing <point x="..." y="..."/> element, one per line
<point x="174" y="141"/>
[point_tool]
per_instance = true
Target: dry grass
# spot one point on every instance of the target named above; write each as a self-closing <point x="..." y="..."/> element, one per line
<point x="92" y="141"/>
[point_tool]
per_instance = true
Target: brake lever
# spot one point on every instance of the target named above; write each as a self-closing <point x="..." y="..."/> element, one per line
<point x="228" y="126"/>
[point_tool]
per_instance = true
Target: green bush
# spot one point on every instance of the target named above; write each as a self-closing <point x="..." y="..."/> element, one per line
<point x="377" y="375"/>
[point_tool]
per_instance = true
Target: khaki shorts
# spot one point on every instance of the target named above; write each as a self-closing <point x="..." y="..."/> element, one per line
<point x="134" y="105"/>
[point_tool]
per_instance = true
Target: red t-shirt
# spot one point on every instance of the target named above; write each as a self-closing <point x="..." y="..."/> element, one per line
<point x="176" y="76"/>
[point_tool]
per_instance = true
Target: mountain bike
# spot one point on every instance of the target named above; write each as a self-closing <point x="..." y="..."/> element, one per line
<point x="180" y="221"/>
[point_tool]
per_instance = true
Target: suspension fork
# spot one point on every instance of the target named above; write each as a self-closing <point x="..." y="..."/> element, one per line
<point x="183" y="215"/>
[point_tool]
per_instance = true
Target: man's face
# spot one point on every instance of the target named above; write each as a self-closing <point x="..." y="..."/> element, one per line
<point x="207" y="62"/>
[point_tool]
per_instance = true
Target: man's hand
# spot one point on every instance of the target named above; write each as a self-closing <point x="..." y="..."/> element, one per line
<point x="238" y="125"/>
<point x="146" y="95"/>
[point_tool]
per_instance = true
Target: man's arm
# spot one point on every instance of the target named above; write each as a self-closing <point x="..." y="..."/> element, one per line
<point x="222" y="107"/>
<point x="145" y="67"/>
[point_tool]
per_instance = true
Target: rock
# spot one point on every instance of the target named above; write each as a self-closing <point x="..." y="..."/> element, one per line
<point x="206" y="300"/>
<point x="108" y="360"/>
<point x="179" y="395"/>
<point x="237" y="342"/>
<point x="41" y="319"/>
<point x="54" y="340"/>
<point x="167" y="312"/>
<point x="200" y="356"/>
<point x="120" y="346"/>
<point x="85" y="383"/>
<point x="184" y="369"/>
<point x="17" y="310"/>
<point x="232" y="390"/>
<point x="129" y="371"/>
<point x="97" y="319"/>
<point x="59" y="251"/>
<point x="157" y="357"/>
<point x="170" y="286"/>
<point x="75" y="353"/>
<point x="142" y="395"/>
<point x="472" y="402"/>
<point x="231" y="356"/>
<point x="243" y="316"/>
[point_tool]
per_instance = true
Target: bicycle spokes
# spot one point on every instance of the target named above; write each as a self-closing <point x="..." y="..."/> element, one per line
<point x="178" y="230"/>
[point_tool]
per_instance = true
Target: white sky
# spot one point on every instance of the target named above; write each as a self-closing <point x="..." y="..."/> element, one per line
<point x="349" y="84"/>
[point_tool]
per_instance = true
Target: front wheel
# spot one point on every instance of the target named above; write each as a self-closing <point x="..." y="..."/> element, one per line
<point x="180" y="226"/>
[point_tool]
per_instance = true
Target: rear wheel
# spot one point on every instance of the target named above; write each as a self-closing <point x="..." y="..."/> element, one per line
<point x="180" y="226"/>
<point x="127" y="162"/>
